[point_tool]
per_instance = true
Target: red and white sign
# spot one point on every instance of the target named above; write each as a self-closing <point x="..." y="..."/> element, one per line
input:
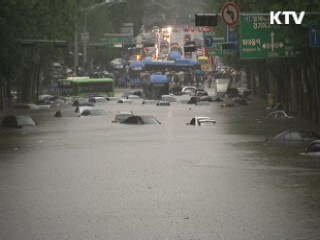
<point x="230" y="14"/>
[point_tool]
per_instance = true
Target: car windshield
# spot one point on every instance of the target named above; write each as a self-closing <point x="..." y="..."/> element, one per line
<point x="149" y="120"/>
<point x="123" y="116"/>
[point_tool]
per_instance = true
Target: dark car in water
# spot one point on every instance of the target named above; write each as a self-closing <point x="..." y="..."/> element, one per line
<point x="121" y="116"/>
<point x="312" y="150"/>
<point x="163" y="103"/>
<point x="17" y="121"/>
<point x="294" y="136"/>
<point x="141" y="119"/>
<point x="279" y="115"/>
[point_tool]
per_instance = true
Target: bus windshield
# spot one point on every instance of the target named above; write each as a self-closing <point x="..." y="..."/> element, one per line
<point x="85" y="86"/>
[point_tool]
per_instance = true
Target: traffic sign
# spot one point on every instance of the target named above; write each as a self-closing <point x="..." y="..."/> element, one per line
<point x="260" y="39"/>
<point x="230" y="14"/>
<point x="112" y="39"/>
<point x="314" y="35"/>
<point x="208" y="41"/>
<point x="127" y="28"/>
<point x="206" y="19"/>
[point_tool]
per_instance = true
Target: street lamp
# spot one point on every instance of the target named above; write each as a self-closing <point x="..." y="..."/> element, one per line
<point x="85" y="34"/>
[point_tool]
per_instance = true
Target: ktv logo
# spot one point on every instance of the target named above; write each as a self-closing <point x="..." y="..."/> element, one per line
<point x="286" y="17"/>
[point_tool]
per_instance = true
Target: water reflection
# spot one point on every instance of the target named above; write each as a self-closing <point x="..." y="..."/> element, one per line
<point x="88" y="178"/>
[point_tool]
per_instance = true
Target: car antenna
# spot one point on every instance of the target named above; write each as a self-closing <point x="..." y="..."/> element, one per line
<point x="132" y="113"/>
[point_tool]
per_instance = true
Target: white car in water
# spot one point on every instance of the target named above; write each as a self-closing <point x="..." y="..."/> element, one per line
<point x="201" y="121"/>
<point x="188" y="90"/>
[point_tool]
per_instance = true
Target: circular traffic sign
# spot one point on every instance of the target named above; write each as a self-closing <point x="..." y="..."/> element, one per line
<point x="230" y="14"/>
<point x="208" y="41"/>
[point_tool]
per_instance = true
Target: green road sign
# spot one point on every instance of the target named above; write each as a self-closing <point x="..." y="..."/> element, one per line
<point x="259" y="39"/>
<point x="113" y="39"/>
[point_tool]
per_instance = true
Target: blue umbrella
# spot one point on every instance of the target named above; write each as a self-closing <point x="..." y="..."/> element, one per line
<point x="137" y="65"/>
<point x="174" y="55"/>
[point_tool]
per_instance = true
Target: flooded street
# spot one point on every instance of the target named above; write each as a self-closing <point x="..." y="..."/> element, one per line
<point x="88" y="178"/>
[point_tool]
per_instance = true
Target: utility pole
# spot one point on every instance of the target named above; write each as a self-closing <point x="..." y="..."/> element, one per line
<point x="76" y="49"/>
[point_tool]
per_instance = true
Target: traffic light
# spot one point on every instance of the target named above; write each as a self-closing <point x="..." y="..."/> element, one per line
<point x="206" y="19"/>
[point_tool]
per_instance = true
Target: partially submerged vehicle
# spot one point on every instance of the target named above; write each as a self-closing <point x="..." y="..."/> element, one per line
<point x="81" y="111"/>
<point x="278" y="115"/>
<point x="201" y="121"/>
<point x="17" y="121"/>
<point x="163" y="103"/>
<point x="294" y="136"/>
<point x="141" y="119"/>
<point x="312" y="150"/>
<point x="121" y="116"/>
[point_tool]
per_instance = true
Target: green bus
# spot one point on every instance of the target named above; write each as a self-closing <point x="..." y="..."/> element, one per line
<point x="86" y="87"/>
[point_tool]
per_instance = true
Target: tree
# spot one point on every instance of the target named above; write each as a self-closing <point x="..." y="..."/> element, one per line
<point x="48" y="20"/>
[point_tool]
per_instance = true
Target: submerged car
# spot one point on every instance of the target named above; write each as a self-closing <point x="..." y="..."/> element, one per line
<point x="147" y="101"/>
<point x="201" y="121"/>
<point x="81" y="111"/>
<point x="121" y="116"/>
<point x="294" y="136"/>
<point x="124" y="100"/>
<point x="92" y="112"/>
<point x="201" y="92"/>
<point x="141" y="119"/>
<point x="98" y="99"/>
<point x="168" y="98"/>
<point x="189" y="90"/>
<point x="134" y="97"/>
<point x="193" y="100"/>
<point x="279" y="114"/>
<point x="163" y="103"/>
<point x="132" y="92"/>
<point x="19" y="121"/>
<point x="313" y="149"/>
